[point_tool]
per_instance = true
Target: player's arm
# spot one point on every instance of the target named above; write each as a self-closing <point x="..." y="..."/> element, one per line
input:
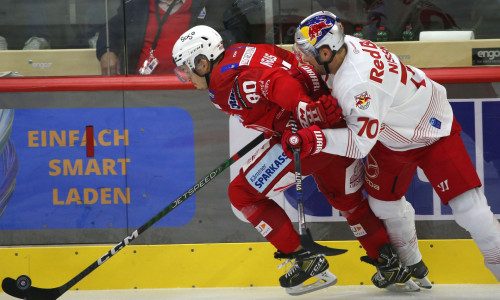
<point x="291" y="90"/>
<point x="366" y="107"/>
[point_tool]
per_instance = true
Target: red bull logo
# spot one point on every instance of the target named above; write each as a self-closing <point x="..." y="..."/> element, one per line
<point x="363" y="100"/>
<point x="315" y="30"/>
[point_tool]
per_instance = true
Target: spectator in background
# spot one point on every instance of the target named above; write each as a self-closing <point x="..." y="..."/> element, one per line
<point x="394" y="15"/>
<point x="137" y="41"/>
<point x="33" y="34"/>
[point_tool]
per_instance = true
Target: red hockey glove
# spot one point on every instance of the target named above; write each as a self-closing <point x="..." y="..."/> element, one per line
<point x="311" y="113"/>
<point x="309" y="79"/>
<point x="332" y="109"/>
<point x="324" y="113"/>
<point x="309" y="140"/>
<point x="315" y="112"/>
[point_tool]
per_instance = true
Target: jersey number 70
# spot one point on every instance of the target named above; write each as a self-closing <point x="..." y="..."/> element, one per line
<point x="369" y="126"/>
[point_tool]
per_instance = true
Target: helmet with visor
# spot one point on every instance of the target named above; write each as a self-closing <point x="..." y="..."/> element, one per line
<point x="196" y="43"/>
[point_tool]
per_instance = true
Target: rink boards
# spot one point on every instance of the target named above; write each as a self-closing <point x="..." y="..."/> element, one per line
<point x="219" y="265"/>
<point x="150" y="147"/>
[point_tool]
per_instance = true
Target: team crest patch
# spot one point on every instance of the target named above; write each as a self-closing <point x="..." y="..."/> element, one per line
<point x="362" y="100"/>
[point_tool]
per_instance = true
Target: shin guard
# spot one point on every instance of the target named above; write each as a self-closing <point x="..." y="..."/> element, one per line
<point x="471" y="211"/>
<point x="272" y="222"/>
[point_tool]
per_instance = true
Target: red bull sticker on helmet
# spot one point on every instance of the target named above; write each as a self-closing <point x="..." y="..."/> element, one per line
<point x="316" y="28"/>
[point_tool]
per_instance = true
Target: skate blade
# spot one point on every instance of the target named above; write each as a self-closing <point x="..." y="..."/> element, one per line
<point x="325" y="280"/>
<point x="409" y="286"/>
<point x="424" y="283"/>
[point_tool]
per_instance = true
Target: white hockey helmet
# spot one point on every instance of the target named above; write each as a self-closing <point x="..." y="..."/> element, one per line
<point x="199" y="40"/>
<point x="319" y="29"/>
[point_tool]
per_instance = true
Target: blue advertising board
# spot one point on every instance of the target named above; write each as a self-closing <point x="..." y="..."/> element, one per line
<point x="143" y="158"/>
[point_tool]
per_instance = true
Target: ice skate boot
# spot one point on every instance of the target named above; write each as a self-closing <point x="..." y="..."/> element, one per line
<point x="391" y="274"/>
<point x="304" y="266"/>
<point x="419" y="273"/>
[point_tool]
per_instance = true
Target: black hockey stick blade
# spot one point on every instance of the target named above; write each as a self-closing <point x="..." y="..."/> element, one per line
<point x="10" y="286"/>
<point x="310" y="245"/>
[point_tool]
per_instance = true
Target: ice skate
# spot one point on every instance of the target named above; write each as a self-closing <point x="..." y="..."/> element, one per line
<point x="304" y="266"/>
<point x="391" y="274"/>
<point x="419" y="273"/>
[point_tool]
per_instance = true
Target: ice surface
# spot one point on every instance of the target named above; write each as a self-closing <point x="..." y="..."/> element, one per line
<point x="465" y="291"/>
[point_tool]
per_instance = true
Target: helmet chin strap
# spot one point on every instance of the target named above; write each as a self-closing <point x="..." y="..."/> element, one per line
<point x="207" y="75"/>
<point x="325" y="64"/>
<point x="207" y="78"/>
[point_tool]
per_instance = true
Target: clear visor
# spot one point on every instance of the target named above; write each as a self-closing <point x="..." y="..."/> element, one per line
<point x="183" y="73"/>
<point x="305" y="52"/>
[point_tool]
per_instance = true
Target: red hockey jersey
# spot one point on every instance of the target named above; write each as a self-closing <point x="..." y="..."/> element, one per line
<point x="252" y="84"/>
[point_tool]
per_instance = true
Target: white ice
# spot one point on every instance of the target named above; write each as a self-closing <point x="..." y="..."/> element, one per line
<point x="464" y="291"/>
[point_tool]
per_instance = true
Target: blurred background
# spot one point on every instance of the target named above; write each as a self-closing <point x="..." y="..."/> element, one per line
<point x="120" y="26"/>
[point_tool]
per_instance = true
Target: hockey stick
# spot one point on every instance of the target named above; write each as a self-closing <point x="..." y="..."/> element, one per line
<point x="306" y="240"/>
<point x="22" y="288"/>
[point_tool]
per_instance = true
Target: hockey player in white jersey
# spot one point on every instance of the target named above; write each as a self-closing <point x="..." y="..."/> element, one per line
<point x="398" y="119"/>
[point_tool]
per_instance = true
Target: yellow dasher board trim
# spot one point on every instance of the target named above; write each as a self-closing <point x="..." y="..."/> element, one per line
<point x="219" y="265"/>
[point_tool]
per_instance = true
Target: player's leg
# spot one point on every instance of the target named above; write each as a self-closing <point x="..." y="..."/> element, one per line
<point x="249" y="193"/>
<point x="268" y="171"/>
<point x="388" y="175"/>
<point x="341" y="181"/>
<point x="454" y="178"/>
<point x="399" y="219"/>
<point x="471" y="211"/>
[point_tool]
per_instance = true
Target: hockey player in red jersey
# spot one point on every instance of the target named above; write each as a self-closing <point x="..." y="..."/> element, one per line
<point x="262" y="86"/>
<point x="399" y="119"/>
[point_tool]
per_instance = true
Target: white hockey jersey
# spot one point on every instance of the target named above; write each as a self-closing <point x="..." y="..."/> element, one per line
<point x="382" y="99"/>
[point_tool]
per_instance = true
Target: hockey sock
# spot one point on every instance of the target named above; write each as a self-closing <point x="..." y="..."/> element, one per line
<point x="398" y="218"/>
<point x="272" y="222"/>
<point x="489" y="245"/>
<point x="367" y="228"/>
<point x="471" y="211"/>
